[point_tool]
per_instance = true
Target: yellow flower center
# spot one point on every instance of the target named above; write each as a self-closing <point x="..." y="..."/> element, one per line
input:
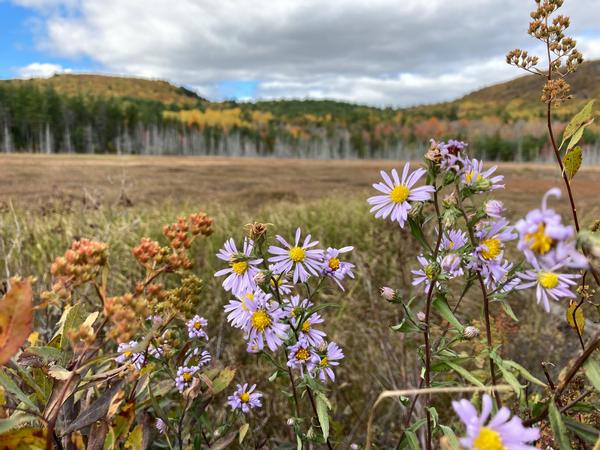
<point x="250" y="295"/>
<point x="187" y="376"/>
<point x="261" y="320"/>
<point x="539" y="241"/>
<point x="488" y="439"/>
<point x="492" y="249"/>
<point x="324" y="362"/>
<point x="197" y="325"/>
<point x="429" y="271"/>
<point x="306" y="326"/>
<point x="127" y="354"/>
<point x="296" y="311"/>
<point x="334" y="264"/>
<point x="302" y="354"/>
<point x="297" y="254"/>
<point x="469" y="176"/>
<point x="239" y="267"/>
<point x="548" y="280"/>
<point x="276" y="282"/>
<point x="399" y="194"/>
<point x="245" y="397"/>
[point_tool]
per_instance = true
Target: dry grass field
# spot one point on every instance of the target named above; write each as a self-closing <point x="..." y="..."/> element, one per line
<point x="30" y="181"/>
<point x="47" y="201"/>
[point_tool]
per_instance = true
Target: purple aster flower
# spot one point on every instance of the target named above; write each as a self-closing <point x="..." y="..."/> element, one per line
<point x="479" y="180"/>
<point x="548" y="283"/>
<point x="452" y="155"/>
<point x="239" y="314"/>
<point x="245" y="398"/>
<point x="454" y="239"/>
<point x="494" y="209"/>
<point x="197" y="358"/>
<point x="497" y="433"/>
<point x="155" y="351"/>
<point x="425" y="274"/>
<point x="127" y="355"/>
<point x="336" y="269"/>
<point x="398" y="192"/>
<point x="495" y="274"/>
<point x="184" y="377"/>
<point x="492" y="236"/>
<point x="324" y="364"/>
<point x="295" y="307"/>
<point x="161" y="426"/>
<point x="301" y="257"/>
<point x="195" y="327"/>
<point x="387" y="293"/>
<point x="543" y="237"/>
<point x="242" y="268"/>
<point x="265" y="324"/>
<point x="301" y="355"/>
<point x="307" y="330"/>
<point x="279" y="282"/>
<point x="451" y="265"/>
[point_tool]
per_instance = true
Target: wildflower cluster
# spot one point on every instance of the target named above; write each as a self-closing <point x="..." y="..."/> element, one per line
<point x="275" y="307"/>
<point x="470" y="246"/>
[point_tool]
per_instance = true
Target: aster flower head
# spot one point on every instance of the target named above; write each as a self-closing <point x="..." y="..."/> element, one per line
<point x="279" y="281"/>
<point x="497" y="433"/>
<point x="453" y="239"/>
<point x="237" y="311"/>
<point x="325" y="363"/>
<point x="451" y="265"/>
<point x="543" y="237"/>
<point x="242" y="268"/>
<point x="398" y="193"/>
<point x="245" y="398"/>
<point x="160" y="425"/>
<point x="307" y="330"/>
<point x="185" y="376"/>
<point x="295" y="307"/>
<point x="126" y="355"/>
<point x="387" y="293"/>
<point x="196" y="327"/>
<point x="335" y="268"/>
<point x="197" y="358"/>
<point x="548" y="283"/>
<point x="301" y="355"/>
<point x="480" y="180"/>
<point x="494" y="209"/>
<point x="452" y="154"/>
<point x="301" y="257"/>
<point x="492" y="237"/>
<point x="425" y="274"/>
<point x="266" y="324"/>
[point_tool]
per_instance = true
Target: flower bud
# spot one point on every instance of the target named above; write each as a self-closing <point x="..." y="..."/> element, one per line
<point x="450" y="263"/>
<point x="421" y="316"/>
<point x="471" y="332"/>
<point x="387" y="293"/>
<point x="494" y="208"/>
<point x="260" y="278"/>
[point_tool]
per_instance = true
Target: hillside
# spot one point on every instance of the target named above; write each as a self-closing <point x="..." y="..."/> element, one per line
<point x="106" y="114"/>
<point x="112" y="86"/>
<point x="519" y="98"/>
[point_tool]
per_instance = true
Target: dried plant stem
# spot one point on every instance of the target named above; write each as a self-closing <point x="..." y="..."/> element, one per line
<point x="486" y="300"/>
<point x="428" y="318"/>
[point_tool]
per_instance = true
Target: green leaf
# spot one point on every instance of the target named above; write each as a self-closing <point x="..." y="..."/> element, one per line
<point x="72" y="318"/>
<point x="524" y="372"/>
<point x="559" y="429"/>
<point x="48" y="354"/>
<point x="15" y="421"/>
<point x="508" y="310"/>
<point x="572" y="162"/>
<point x="452" y="439"/>
<point x="583" y="430"/>
<point x="223" y="380"/>
<point x="592" y="371"/>
<point x="417" y="232"/>
<point x="413" y="442"/>
<point x="243" y="431"/>
<point x="135" y="439"/>
<point x="441" y="306"/>
<point x="464" y="373"/>
<point x="511" y="380"/>
<point x="12" y="387"/>
<point x="323" y="415"/>
<point x="582" y="119"/>
<point x="406" y="326"/>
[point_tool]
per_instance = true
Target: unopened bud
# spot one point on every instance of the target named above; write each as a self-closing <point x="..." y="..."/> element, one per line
<point x="471" y="332"/>
<point x="290" y="422"/>
<point x="260" y="278"/>
<point x="387" y="293"/>
<point x="421" y="316"/>
<point x="494" y="208"/>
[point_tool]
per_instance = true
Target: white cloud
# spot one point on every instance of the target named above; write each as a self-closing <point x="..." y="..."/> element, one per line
<point x="381" y="51"/>
<point x="41" y="70"/>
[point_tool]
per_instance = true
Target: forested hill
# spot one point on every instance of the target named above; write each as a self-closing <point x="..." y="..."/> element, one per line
<point x="107" y="114"/>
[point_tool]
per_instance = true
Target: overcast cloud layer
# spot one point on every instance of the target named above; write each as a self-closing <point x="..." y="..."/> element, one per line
<point x="385" y="52"/>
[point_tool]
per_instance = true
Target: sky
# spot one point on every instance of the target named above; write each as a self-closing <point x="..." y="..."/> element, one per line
<point x="378" y="52"/>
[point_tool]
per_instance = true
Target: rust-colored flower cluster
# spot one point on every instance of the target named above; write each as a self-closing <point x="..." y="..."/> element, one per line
<point x="181" y="234"/>
<point x="126" y="313"/>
